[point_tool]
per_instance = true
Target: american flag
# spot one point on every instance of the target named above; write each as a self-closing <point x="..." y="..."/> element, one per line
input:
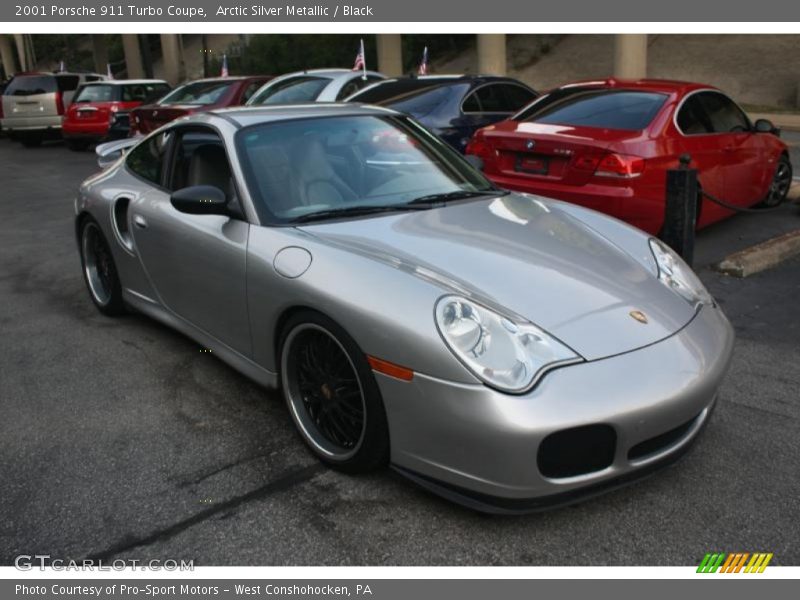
<point x="224" y="71"/>
<point x="109" y="74"/>
<point x="423" y="66"/>
<point x="361" y="61"/>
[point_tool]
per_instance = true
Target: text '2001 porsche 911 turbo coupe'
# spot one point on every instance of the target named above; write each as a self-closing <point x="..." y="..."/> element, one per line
<point x="503" y="350"/>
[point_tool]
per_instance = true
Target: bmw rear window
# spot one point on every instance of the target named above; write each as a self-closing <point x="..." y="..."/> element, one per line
<point x="601" y="108"/>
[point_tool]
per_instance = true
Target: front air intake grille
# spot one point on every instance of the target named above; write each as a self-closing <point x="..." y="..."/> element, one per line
<point x="577" y="451"/>
<point x="659" y="442"/>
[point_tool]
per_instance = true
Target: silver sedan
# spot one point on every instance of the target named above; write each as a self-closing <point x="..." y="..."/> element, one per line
<point x="504" y="350"/>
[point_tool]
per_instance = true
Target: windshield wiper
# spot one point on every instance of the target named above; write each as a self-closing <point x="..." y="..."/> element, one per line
<point x="354" y="211"/>
<point x="457" y="195"/>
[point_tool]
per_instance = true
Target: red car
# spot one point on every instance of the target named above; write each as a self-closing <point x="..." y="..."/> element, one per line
<point x="195" y="96"/>
<point x="607" y="145"/>
<point x="99" y="111"/>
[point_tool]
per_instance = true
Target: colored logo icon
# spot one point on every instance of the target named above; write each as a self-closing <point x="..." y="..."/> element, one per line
<point x="736" y="562"/>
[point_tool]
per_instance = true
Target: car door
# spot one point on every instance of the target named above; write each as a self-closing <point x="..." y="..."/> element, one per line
<point x="706" y="148"/>
<point x="742" y="150"/>
<point x="195" y="263"/>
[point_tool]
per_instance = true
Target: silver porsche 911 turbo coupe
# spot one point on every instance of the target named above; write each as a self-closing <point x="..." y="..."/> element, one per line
<point x="503" y="350"/>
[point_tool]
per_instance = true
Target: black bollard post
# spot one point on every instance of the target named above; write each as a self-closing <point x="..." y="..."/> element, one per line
<point x="680" y="212"/>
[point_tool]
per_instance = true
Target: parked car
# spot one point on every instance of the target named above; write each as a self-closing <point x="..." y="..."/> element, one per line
<point x="100" y="110"/>
<point x="34" y="103"/>
<point x="503" y="350"/>
<point x="193" y="97"/>
<point x="454" y="106"/>
<point x="318" y="85"/>
<point x="608" y="144"/>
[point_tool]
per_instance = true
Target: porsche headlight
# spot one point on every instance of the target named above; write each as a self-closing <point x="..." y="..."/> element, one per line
<point x="677" y="275"/>
<point x="504" y="354"/>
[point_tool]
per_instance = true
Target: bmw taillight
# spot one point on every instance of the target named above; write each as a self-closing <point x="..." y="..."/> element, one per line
<point x="60" y="102"/>
<point x="620" y="166"/>
<point x="479" y="147"/>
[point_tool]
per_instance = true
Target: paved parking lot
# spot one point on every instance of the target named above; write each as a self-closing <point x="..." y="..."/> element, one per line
<point x="118" y="438"/>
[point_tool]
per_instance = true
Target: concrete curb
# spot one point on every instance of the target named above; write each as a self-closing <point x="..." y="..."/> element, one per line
<point x="761" y="256"/>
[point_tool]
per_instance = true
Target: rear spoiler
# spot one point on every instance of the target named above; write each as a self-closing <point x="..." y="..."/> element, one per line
<point x="110" y="152"/>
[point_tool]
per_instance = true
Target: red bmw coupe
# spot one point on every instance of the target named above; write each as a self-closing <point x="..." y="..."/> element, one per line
<point x="607" y="145"/>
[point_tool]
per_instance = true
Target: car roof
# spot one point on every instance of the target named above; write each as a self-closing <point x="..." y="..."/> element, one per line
<point x="333" y="74"/>
<point x="399" y="86"/>
<point x="244" y="116"/>
<point x="125" y="82"/>
<point x="668" y="86"/>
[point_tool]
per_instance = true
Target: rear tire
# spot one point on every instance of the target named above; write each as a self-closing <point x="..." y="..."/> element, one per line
<point x="99" y="270"/>
<point x="77" y="145"/>
<point x="31" y="140"/>
<point x="780" y="184"/>
<point x="332" y="395"/>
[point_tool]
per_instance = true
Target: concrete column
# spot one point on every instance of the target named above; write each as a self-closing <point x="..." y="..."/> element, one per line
<point x="390" y="54"/>
<point x="630" y="55"/>
<point x="172" y="54"/>
<point x="7" y="56"/>
<point x="100" y="52"/>
<point x="133" y="55"/>
<point x="19" y="39"/>
<point x="492" y="53"/>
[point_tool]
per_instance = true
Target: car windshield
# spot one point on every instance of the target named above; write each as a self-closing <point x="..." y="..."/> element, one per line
<point x="292" y="90"/>
<point x="199" y="92"/>
<point x="601" y="108"/>
<point x="95" y="93"/>
<point x="318" y="168"/>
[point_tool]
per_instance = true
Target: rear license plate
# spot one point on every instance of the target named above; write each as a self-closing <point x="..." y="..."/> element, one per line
<point x="535" y="165"/>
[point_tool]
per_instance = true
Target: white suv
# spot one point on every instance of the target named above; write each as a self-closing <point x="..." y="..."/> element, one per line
<point x="33" y="103"/>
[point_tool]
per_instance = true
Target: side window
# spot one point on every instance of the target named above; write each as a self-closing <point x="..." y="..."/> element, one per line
<point x="723" y="113"/>
<point x="349" y="88"/>
<point x="133" y="93"/>
<point x="251" y="89"/>
<point x="692" y="118"/>
<point x="517" y="96"/>
<point x="471" y="104"/>
<point x="200" y="159"/>
<point x="492" y="99"/>
<point x="90" y="78"/>
<point x="147" y="159"/>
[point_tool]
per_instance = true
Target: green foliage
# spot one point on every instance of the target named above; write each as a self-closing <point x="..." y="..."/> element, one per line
<point x="439" y="47"/>
<point x="279" y="54"/>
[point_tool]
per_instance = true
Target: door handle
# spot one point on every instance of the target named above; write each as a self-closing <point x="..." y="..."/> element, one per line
<point x="139" y="221"/>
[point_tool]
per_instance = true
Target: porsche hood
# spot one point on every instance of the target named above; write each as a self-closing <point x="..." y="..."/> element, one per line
<point x="526" y="257"/>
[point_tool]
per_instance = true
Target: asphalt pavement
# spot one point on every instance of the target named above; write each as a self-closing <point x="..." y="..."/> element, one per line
<point x="120" y="439"/>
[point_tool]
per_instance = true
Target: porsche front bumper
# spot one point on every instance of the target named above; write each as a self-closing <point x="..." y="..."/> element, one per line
<point x="639" y="409"/>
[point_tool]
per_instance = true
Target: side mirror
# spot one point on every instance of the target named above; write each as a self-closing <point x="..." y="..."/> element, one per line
<point x="200" y="200"/>
<point x="766" y="126"/>
<point x="475" y="161"/>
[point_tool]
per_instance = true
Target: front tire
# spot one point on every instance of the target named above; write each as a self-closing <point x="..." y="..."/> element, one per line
<point x="31" y="140"/>
<point x="77" y="145"/>
<point x="99" y="270"/>
<point x="332" y="395"/>
<point x="781" y="182"/>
